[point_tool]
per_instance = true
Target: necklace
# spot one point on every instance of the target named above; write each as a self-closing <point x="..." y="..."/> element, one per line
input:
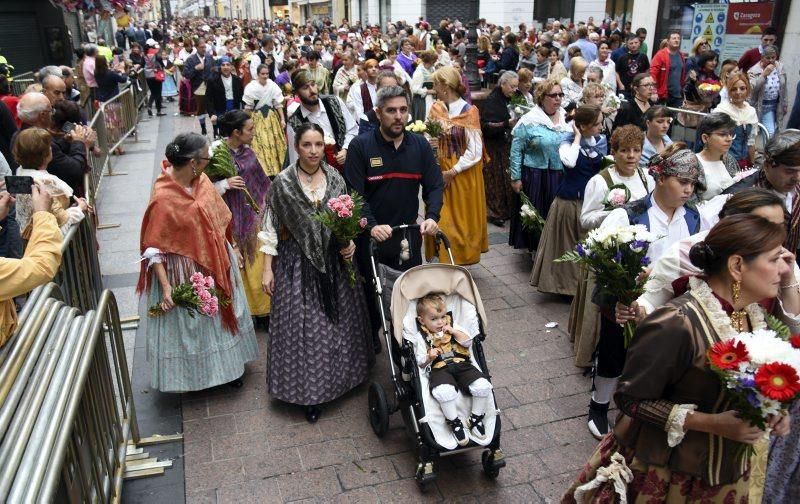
<point x="309" y="176"/>
<point x="646" y="103"/>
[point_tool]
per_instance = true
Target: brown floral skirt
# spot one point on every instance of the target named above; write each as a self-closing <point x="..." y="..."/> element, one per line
<point x="653" y="484"/>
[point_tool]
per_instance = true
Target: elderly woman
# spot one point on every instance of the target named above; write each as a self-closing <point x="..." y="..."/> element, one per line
<point x="573" y="84"/>
<point x="496" y="124"/>
<point x="183" y="238"/>
<point x="461" y="156"/>
<point x="716" y="133"/>
<point x="346" y="76"/>
<point x="535" y="165"/>
<point x="422" y="86"/>
<point x="581" y="154"/>
<point x="699" y="458"/>
<point x="743" y="148"/>
<point x="318" y="342"/>
<point x="768" y="80"/>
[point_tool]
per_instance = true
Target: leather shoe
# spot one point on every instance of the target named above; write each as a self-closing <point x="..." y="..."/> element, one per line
<point x="312" y="413"/>
<point x="497" y="222"/>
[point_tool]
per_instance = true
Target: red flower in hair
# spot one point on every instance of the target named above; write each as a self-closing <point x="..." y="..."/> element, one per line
<point x="728" y="354"/>
<point x="778" y="381"/>
<point x="795" y="340"/>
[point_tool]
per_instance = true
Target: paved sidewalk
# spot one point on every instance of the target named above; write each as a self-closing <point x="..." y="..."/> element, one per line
<point x="241" y="446"/>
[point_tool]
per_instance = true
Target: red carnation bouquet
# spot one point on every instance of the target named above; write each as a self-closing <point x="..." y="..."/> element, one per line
<point x="761" y="371"/>
<point x="342" y="216"/>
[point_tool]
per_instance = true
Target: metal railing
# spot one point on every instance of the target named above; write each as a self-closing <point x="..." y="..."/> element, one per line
<point x="114" y="121"/>
<point x="688" y="134"/>
<point x="21" y="82"/>
<point x="68" y="415"/>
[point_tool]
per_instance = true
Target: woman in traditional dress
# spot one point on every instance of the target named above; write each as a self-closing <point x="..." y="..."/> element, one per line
<point x="581" y="154"/>
<point x="626" y="147"/>
<point x="238" y="131"/>
<point x="716" y="133"/>
<point x="496" y="124"/>
<point x="406" y="57"/>
<point x="534" y="163"/>
<point x="422" y="87"/>
<point x="461" y="156"/>
<point x="743" y="148"/>
<point x="675" y="439"/>
<point x="318" y="342"/>
<point x="183" y="233"/>
<point x="265" y="99"/>
<point x="169" y="88"/>
<point x="346" y="76"/>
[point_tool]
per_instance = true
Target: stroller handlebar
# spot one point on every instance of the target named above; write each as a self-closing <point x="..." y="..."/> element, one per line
<point x="440" y="237"/>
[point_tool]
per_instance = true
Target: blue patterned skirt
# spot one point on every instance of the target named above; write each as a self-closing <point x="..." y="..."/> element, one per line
<point x="195" y="353"/>
<point x="312" y="359"/>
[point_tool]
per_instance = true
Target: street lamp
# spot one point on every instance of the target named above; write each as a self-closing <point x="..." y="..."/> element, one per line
<point x="471" y="55"/>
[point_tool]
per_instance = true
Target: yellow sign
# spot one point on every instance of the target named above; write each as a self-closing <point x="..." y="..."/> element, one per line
<point x="708" y="34"/>
<point x="710" y="18"/>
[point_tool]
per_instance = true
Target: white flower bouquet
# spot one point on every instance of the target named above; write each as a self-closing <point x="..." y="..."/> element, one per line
<point x="617" y="257"/>
<point x="530" y="219"/>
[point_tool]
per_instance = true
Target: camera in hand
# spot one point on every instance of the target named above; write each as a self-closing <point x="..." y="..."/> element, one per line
<point x="19" y="185"/>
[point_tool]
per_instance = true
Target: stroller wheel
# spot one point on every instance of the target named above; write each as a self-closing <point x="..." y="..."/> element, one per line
<point x="492" y="461"/>
<point x="378" y="409"/>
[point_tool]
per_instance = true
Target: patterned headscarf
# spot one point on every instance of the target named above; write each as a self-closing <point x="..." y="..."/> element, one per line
<point x="682" y="164"/>
<point x="300" y="78"/>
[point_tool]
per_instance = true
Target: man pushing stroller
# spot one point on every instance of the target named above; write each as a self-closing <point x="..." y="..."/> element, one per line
<point x="447" y="352"/>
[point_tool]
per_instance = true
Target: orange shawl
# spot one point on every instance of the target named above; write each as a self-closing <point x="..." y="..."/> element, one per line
<point x="453" y="141"/>
<point x="192" y="225"/>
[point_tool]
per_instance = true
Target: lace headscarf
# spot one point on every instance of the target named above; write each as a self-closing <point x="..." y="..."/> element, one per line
<point x="682" y="164"/>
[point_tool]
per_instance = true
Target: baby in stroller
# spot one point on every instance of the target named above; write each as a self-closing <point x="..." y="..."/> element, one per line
<point x="447" y="353"/>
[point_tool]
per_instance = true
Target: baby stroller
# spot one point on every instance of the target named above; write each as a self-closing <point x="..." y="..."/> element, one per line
<point x="411" y="393"/>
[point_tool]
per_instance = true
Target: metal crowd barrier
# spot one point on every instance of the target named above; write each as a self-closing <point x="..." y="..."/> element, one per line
<point x="21" y="82"/>
<point x="688" y="134"/>
<point x="66" y="403"/>
<point x="138" y="84"/>
<point x="114" y="121"/>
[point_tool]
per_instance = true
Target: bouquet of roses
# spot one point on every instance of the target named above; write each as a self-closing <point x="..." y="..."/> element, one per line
<point x="761" y="372"/>
<point x="617" y="257"/>
<point x="342" y="216"/>
<point x="616" y="197"/>
<point x="196" y="295"/>
<point x="222" y="165"/>
<point x="529" y="218"/>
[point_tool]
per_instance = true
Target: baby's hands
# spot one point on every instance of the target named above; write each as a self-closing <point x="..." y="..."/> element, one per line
<point x="447" y="329"/>
<point x="433" y="353"/>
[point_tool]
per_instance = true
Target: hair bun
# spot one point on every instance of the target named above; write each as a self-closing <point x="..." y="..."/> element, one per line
<point x="701" y="255"/>
<point x="173" y="149"/>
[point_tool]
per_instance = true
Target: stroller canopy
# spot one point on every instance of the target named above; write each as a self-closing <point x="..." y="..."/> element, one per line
<point x="421" y="280"/>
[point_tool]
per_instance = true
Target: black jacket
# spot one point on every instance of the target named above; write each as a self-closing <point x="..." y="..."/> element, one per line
<point x="8" y="128"/>
<point x="215" y="94"/>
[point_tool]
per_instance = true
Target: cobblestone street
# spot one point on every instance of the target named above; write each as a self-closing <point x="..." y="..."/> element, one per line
<point x="240" y="446"/>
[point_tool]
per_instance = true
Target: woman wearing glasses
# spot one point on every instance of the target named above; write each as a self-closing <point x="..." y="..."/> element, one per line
<point x="183" y="235"/>
<point x="632" y="111"/>
<point x="535" y="164"/>
<point x="717" y="133"/>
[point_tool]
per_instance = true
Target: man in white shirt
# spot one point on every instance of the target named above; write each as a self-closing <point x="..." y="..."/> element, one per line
<point x="329" y="112"/>
<point x="259" y="57"/>
<point x="362" y="96"/>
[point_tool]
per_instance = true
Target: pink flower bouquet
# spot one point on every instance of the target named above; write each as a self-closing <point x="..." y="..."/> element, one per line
<point x="197" y="295"/>
<point x="342" y="216"/>
<point x="616" y="197"/>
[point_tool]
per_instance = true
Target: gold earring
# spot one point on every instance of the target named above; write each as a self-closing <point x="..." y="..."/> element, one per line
<point x="737" y="290"/>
